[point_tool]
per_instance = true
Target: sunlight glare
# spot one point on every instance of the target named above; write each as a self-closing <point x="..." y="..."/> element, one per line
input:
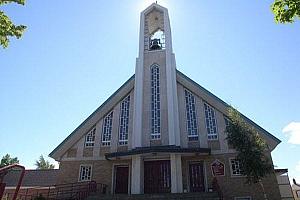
<point x="143" y="4"/>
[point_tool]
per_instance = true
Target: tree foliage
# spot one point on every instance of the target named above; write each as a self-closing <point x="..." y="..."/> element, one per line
<point x="286" y="11"/>
<point x="250" y="146"/>
<point x="7" y="160"/>
<point x="7" y="27"/>
<point x="43" y="164"/>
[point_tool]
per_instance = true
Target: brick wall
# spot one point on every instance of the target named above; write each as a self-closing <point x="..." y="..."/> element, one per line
<point x="101" y="171"/>
<point x="232" y="186"/>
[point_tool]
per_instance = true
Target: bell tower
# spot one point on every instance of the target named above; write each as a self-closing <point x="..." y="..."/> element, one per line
<point x="155" y="118"/>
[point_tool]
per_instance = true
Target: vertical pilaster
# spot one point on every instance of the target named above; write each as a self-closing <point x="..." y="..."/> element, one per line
<point x="176" y="174"/>
<point x="138" y="105"/>
<point x="115" y="128"/>
<point x="96" y="150"/>
<point x="136" y="174"/>
<point x="80" y="148"/>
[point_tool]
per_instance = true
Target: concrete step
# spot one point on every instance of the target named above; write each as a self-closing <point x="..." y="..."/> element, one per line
<point x="179" y="196"/>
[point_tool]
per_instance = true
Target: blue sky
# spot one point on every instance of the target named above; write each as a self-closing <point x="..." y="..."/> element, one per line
<point x="74" y="55"/>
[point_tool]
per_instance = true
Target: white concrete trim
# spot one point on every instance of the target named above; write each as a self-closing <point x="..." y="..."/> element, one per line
<point x="136" y="176"/>
<point x="83" y="159"/>
<point x="96" y="150"/>
<point x="176" y="173"/>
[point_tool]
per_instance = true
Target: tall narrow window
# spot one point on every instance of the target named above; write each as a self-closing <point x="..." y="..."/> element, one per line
<point x="107" y="128"/>
<point x="124" y="119"/>
<point x="227" y="123"/>
<point x="211" y="123"/>
<point x="90" y="138"/>
<point x="191" y="116"/>
<point x="155" y="103"/>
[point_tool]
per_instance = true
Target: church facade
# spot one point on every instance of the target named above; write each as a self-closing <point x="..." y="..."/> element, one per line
<point x="160" y="132"/>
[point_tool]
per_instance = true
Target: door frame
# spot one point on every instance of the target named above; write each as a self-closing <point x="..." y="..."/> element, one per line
<point x="113" y="179"/>
<point x="204" y="173"/>
<point x="156" y="160"/>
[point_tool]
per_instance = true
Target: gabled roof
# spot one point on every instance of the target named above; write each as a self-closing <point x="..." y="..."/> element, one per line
<point x="222" y="106"/>
<point x="92" y="119"/>
<point x="126" y="88"/>
<point x="32" y="178"/>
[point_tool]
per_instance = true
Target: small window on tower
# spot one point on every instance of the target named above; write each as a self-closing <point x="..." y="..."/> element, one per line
<point x="157" y="40"/>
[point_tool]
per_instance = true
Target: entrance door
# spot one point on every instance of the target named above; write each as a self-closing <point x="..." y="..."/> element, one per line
<point x="157" y="176"/>
<point x="121" y="184"/>
<point x="196" y="177"/>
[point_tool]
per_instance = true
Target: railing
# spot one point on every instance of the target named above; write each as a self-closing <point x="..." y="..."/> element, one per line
<point x="74" y="191"/>
<point x="3" y="172"/>
<point x="216" y="187"/>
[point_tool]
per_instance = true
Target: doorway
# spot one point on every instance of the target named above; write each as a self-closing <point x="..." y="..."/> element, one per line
<point x="121" y="179"/>
<point x="196" y="174"/>
<point x="157" y="176"/>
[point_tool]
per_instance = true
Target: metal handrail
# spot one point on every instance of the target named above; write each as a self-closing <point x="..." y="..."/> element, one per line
<point x="76" y="191"/>
<point x="4" y="171"/>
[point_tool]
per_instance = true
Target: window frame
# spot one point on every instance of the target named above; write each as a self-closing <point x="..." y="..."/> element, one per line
<point x="91" y="172"/>
<point x="125" y="119"/>
<point x="189" y="103"/>
<point x="104" y="141"/>
<point x="155" y="106"/>
<point x="207" y="126"/>
<point x="92" y="142"/>
<point x="231" y="169"/>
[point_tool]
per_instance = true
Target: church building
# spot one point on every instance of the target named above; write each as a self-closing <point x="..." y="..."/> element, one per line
<point x="160" y="132"/>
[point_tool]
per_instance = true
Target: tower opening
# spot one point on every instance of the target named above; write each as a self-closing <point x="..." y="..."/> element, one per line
<point x="157" y="40"/>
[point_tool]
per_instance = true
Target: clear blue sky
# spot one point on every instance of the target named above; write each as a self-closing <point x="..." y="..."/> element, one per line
<point x="75" y="54"/>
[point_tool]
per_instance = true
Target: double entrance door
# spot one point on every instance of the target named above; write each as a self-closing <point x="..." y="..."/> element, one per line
<point x="157" y="176"/>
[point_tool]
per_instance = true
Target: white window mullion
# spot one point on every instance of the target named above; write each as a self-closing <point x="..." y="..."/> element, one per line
<point x="211" y="122"/>
<point x="192" y="128"/>
<point x="155" y="102"/>
<point x="107" y="129"/>
<point x="85" y="173"/>
<point x="90" y="138"/>
<point x="124" y="121"/>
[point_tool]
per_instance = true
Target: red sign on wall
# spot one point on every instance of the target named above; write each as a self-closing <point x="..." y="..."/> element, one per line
<point x="218" y="168"/>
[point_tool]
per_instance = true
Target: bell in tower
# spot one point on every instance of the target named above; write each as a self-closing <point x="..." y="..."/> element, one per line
<point x="157" y="40"/>
<point x="154" y="30"/>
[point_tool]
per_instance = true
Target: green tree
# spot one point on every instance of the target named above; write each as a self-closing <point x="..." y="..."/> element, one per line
<point x="43" y="164"/>
<point x="286" y="11"/>
<point x="7" y="160"/>
<point x="7" y="27"/>
<point x="251" y="148"/>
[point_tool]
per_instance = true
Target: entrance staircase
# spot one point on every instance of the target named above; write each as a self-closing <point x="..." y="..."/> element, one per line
<point x="166" y="196"/>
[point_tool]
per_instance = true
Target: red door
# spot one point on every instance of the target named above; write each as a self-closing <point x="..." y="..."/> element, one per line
<point x="157" y="176"/>
<point x="121" y="186"/>
<point x="196" y="177"/>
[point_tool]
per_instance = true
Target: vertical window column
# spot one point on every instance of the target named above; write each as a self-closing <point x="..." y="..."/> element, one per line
<point x="107" y="129"/>
<point x="191" y="116"/>
<point x="124" y="119"/>
<point x="211" y="122"/>
<point x="155" y="103"/>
